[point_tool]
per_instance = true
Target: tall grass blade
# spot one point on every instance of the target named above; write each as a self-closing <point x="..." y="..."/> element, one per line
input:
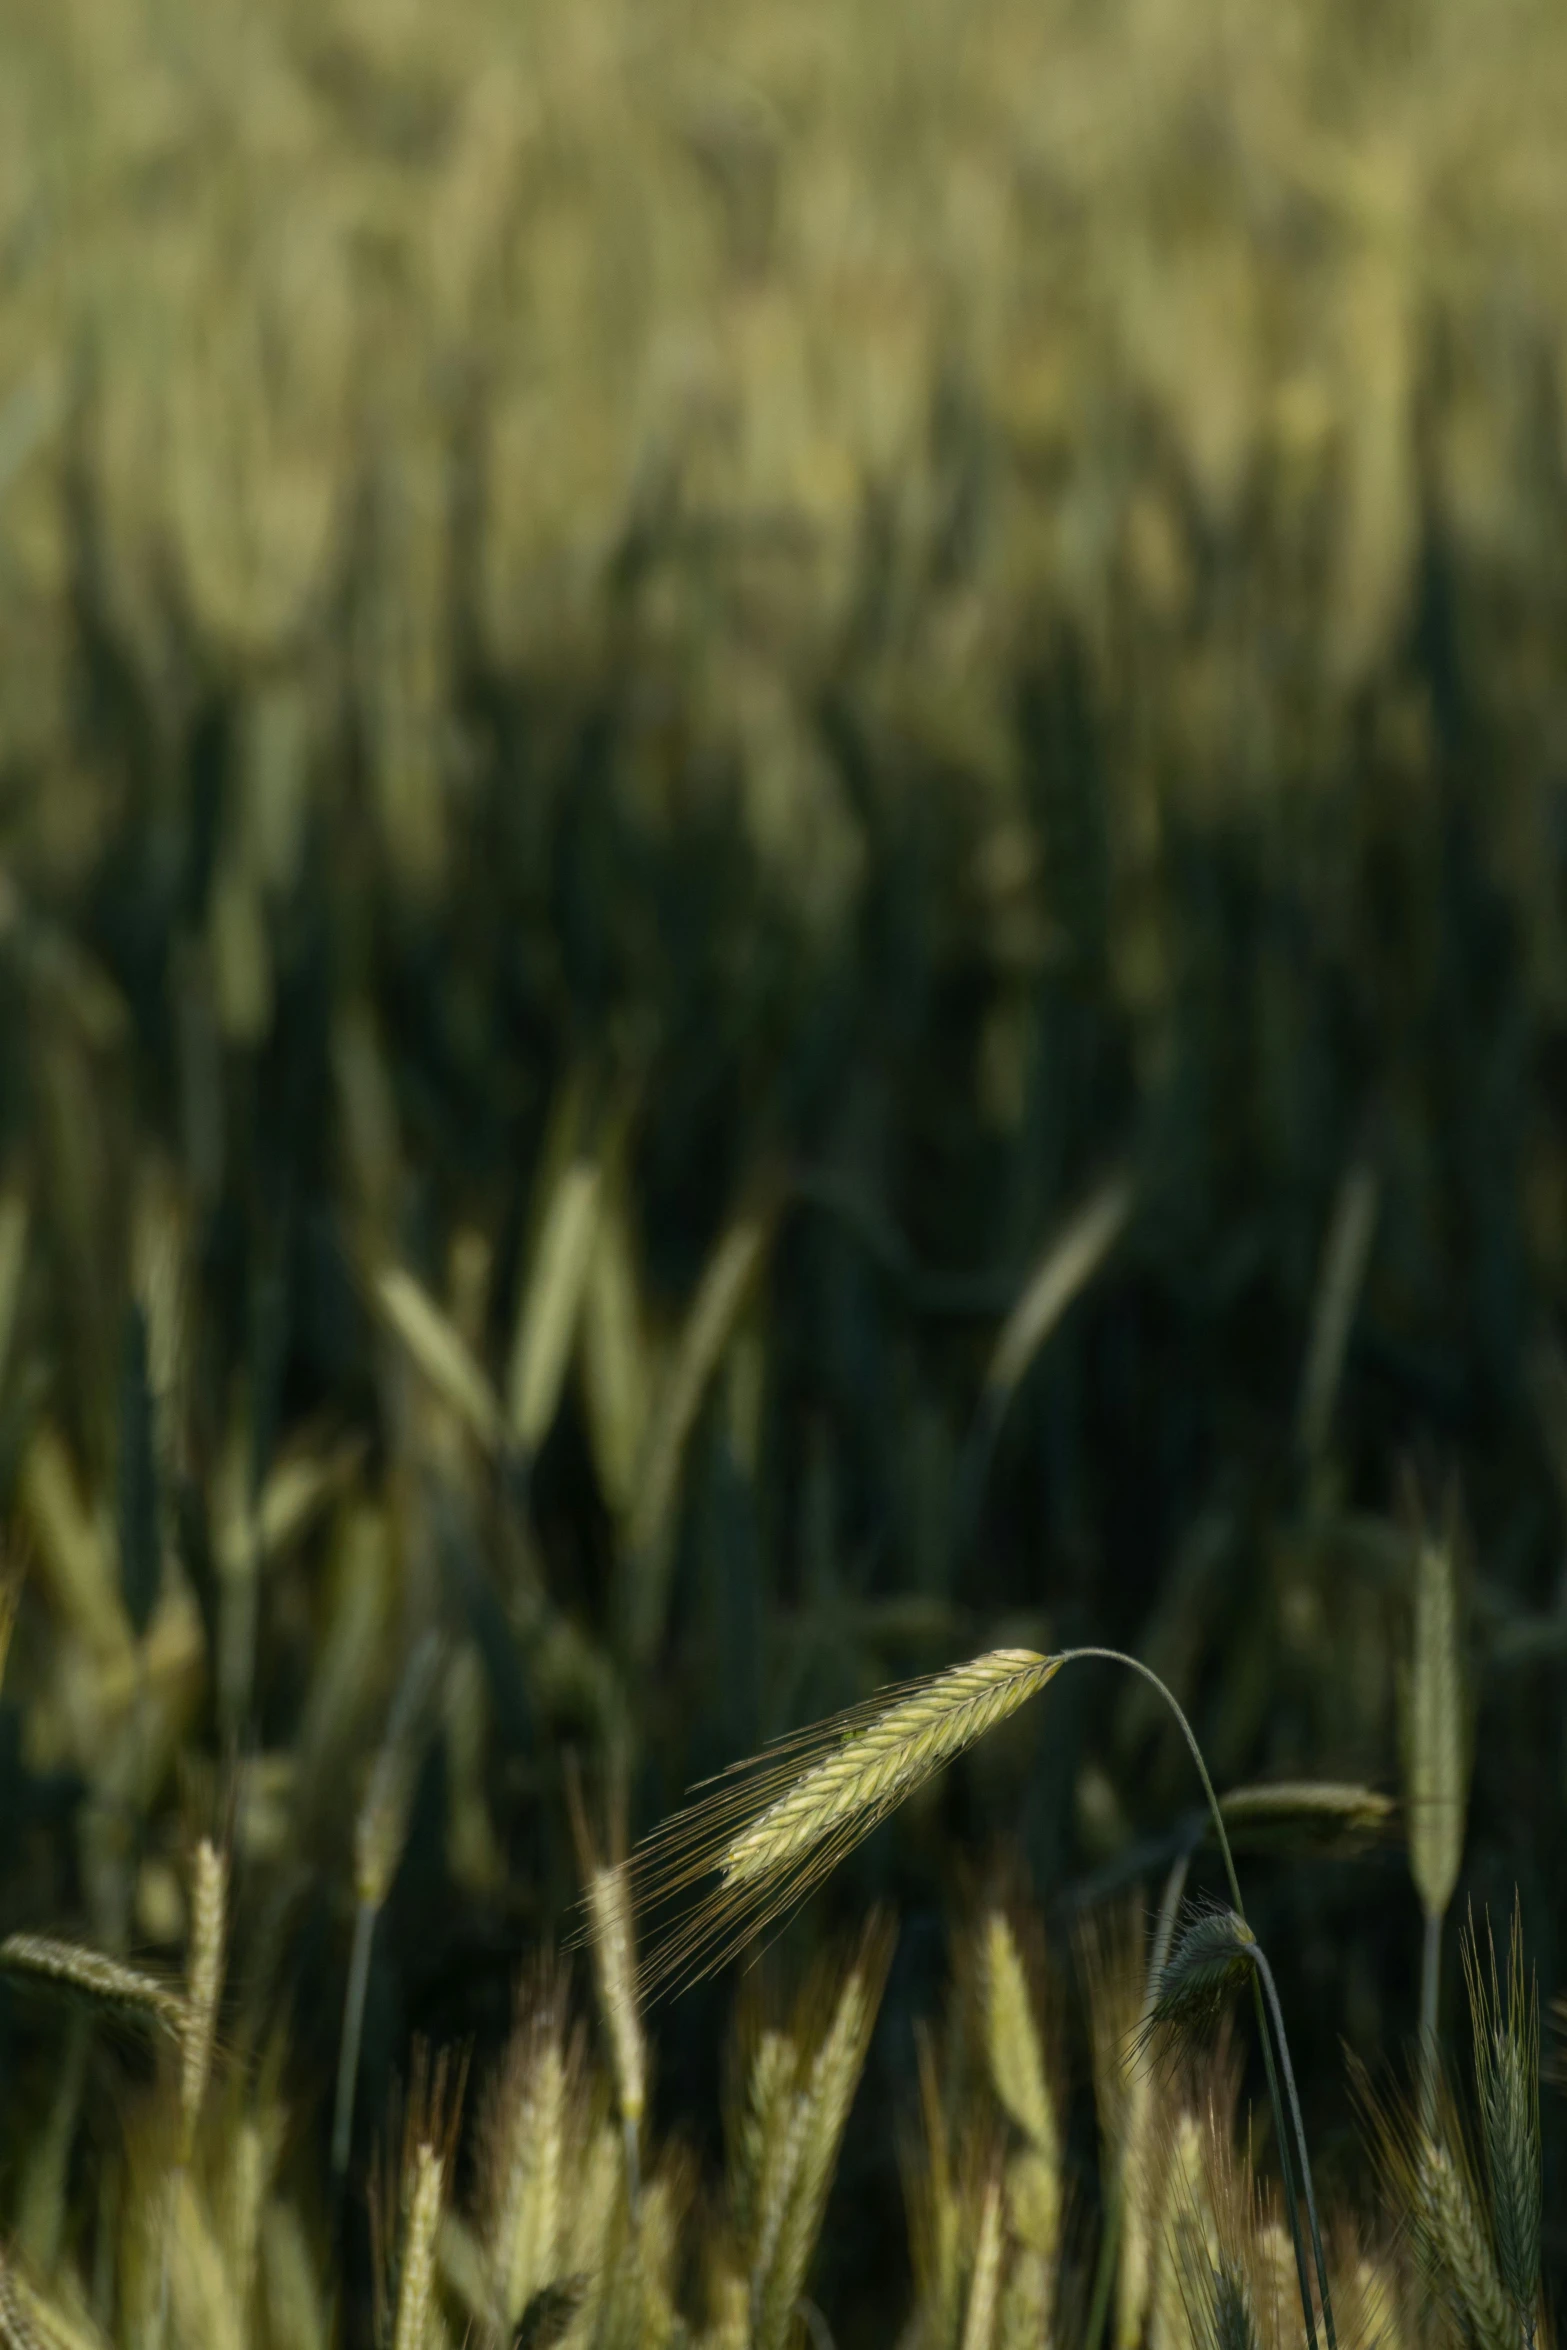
<point x="1069" y="1262"/>
<point x="140" y="1543"/>
<point x="617" y="1372"/>
<point x="441" y="1354"/>
<point x="15" y="1215"/>
<point x="727" y="1281"/>
<point x="551" y="1302"/>
<point x="1344" y="1259"/>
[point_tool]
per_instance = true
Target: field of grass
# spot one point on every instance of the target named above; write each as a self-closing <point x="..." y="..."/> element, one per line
<point x="783" y="852"/>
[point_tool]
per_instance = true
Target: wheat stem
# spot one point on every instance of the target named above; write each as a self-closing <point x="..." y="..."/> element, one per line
<point x="416" y="2291"/>
<point x="1116" y="1656"/>
<point x="204" y="1974"/>
<point x="353" y="2026"/>
<point x="979" y="2324"/>
<point x="1259" y="1960"/>
<point x="1430" y="2003"/>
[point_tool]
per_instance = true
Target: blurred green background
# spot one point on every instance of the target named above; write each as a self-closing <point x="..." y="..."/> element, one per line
<point x="783" y="839"/>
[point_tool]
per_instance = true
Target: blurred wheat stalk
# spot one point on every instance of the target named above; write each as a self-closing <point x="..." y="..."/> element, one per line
<point x="1066" y="297"/>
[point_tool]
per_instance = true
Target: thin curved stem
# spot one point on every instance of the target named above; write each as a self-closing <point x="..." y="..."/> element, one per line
<point x="1260" y="1963"/>
<point x="1117" y="1656"/>
<point x="628" y="2131"/>
<point x="1286" y="2165"/>
<point x="1430" y="2005"/>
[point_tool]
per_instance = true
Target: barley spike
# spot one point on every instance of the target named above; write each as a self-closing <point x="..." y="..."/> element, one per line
<point x="777" y="1825"/>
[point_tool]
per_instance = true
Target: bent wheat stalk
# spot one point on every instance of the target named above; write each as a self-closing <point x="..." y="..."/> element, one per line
<point x="1259" y="1959"/>
<point x="772" y="1827"/>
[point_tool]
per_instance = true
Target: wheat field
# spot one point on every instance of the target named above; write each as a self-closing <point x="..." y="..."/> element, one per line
<point x="346" y="349"/>
<point x="783" y="878"/>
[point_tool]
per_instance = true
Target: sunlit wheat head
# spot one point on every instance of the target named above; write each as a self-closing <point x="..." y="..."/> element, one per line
<point x="775" y="1825"/>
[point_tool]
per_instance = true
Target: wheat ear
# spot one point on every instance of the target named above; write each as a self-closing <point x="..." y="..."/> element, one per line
<point x="984" y="2293"/>
<point x="1454" y="2240"/>
<point x="821" y="2113"/>
<point x="775" y="1826"/>
<point x="1424" y="2158"/>
<point x="209" y="1900"/>
<point x="408" y="2188"/>
<point x="1186" y="2233"/>
<point x="17" y="2331"/>
<point x="416" y="2290"/>
<point x="614" y="1946"/>
<point x="1020" y="2078"/>
<point x="1012" y="2042"/>
<point x="528" y="2156"/>
<point x="56" y="2324"/>
<point x="1507" y="2078"/>
<point x="609" y="1908"/>
<point x="72" y="1967"/>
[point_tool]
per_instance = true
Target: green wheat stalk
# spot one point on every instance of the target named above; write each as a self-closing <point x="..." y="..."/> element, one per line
<point x="1436" y="1765"/>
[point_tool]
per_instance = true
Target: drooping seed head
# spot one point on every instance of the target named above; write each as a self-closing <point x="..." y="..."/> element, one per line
<point x="71" y="1967"/>
<point x="1307" y="1815"/>
<point x="1212" y="1957"/>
